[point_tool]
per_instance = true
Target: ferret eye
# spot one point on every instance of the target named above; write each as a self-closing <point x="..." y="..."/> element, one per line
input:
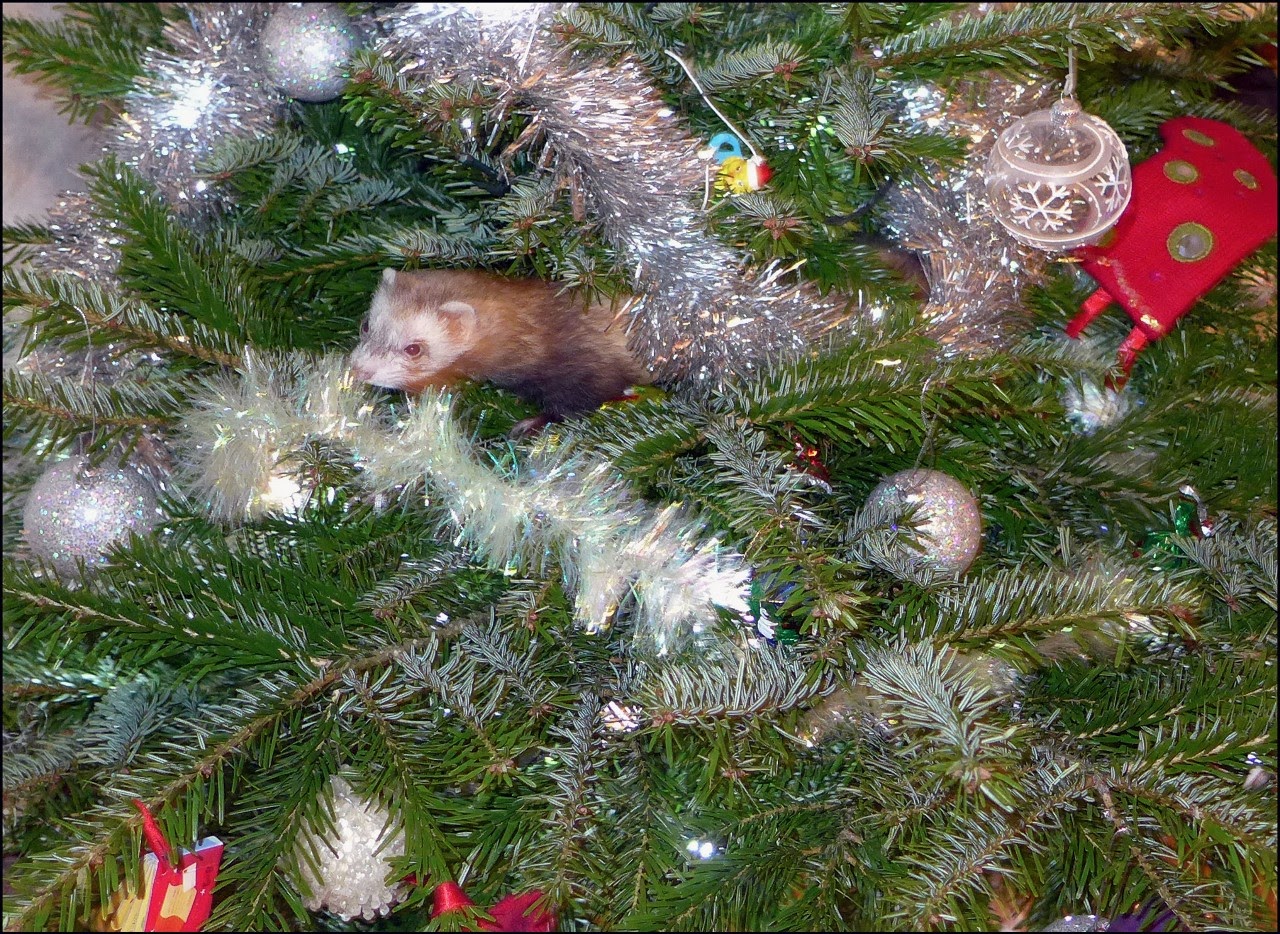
<point x="364" y="328"/>
<point x="412" y="350"/>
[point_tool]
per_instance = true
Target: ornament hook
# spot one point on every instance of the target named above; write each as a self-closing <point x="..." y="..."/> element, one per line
<point x="1069" y="89"/>
<point x="727" y="122"/>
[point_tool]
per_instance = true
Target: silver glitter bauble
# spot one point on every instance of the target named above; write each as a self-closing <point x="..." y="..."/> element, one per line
<point x="1059" y="178"/>
<point x="75" y="511"/>
<point x="352" y="865"/>
<point x="1079" y="923"/>
<point x="944" y="514"/>
<point x="305" y="49"/>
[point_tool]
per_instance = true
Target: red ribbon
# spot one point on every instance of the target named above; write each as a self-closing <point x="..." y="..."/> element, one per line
<point x="155" y="839"/>
<point x="511" y="914"/>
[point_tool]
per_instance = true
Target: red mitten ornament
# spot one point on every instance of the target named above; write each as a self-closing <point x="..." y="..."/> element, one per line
<point x="1199" y="206"/>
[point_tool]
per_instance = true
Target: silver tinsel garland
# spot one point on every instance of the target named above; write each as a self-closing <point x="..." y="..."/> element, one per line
<point x="79" y="242"/>
<point x="210" y="86"/>
<point x="700" y="316"/>
<point x="976" y="269"/>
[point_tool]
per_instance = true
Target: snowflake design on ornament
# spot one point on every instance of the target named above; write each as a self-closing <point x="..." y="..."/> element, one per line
<point x="1110" y="186"/>
<point x="1041" y="145"/>
<point x="1024" y="144"/>
<point x="1043" y="207"/>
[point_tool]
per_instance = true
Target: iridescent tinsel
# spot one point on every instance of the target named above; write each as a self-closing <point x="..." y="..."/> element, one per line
<point x="700" y="317"/>
<point x="211" y="85"/>
<point x="573" y="514"/>
<point x="976" y="269"/>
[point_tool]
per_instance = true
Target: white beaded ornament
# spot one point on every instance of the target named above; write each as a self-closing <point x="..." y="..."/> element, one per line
<point x="1059" y="178"/>
<point x="353" y="865"/>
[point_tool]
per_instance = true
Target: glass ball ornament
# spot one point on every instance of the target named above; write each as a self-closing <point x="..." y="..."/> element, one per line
<point x="1090" y="406"/>
<point x="1058" y="178"/>
<point x="305" y="49"/>
<point x="76" y="512"/>
<point x="944" y="515"/>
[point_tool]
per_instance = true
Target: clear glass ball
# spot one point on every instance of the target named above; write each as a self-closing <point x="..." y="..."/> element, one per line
<point x="1058" y="178"/>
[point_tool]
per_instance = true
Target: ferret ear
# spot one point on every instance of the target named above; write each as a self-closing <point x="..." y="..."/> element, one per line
<point x="460" y="318"/>
<point x="388" y="276"/>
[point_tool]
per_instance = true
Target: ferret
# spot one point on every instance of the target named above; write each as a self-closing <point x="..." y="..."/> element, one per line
<point x="435" y="327"/>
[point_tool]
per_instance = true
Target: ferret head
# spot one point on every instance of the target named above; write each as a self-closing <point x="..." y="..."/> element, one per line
<point x="413" y="332"/>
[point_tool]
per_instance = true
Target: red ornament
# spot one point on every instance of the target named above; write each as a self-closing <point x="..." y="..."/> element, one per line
<point x="1199" y="206"/>
<point x="174" y="896"/>
<point x="510" y="914"/>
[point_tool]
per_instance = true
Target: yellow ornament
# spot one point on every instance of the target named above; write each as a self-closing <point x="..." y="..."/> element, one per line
<point x="739" y="175"/>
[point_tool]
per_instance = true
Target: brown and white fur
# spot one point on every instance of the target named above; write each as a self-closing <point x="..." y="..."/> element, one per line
<point x="435" y="327"/>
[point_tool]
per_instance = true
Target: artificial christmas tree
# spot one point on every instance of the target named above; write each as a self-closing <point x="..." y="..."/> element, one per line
<point x="676" y="662"/>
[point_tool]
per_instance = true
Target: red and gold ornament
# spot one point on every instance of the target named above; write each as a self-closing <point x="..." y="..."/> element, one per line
<point x="175" y="896"/>
<point x="1199" y="207"/>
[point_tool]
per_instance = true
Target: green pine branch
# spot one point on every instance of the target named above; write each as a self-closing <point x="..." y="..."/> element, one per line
<point x="1034" y="34"/>
<point x="70" y="54"/>
<point x="77" y="311"/>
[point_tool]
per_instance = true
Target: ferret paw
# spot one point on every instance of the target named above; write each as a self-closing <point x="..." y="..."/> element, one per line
<point x="528" y="427"/>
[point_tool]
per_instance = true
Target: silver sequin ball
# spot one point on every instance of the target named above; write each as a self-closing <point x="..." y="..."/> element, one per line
<point x="76" y="511"/>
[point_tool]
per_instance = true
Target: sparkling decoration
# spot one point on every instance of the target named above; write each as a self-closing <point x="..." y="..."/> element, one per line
<point x="945" y="516"/>
<point x="351" y="868"/>
<point x="79" y="242"/>
<point x="306" y="49"/>
<point x="975" y="269"/>
<point x="76" y="512"/>
<point x="207" y="86"/>
<point x="698" y="319"/>
<point x="701" y="849"/>
<point x="615" y="553"/>
<point x="1091" y="407"/>
<point x="1078" y="923"/>
<point x="1058" y="178"/>
<point x="239" y="470"/>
